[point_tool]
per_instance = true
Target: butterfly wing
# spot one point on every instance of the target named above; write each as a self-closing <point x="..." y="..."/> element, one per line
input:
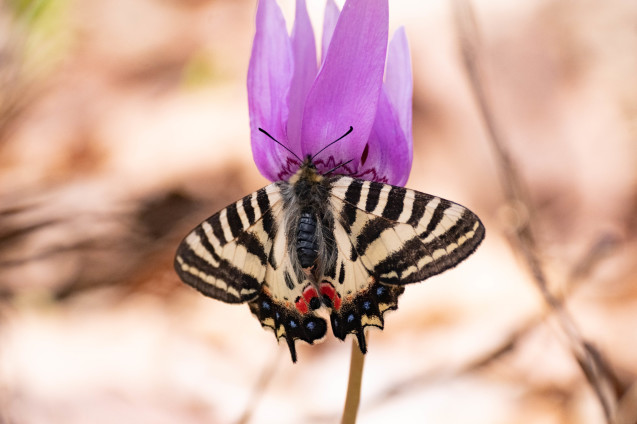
<point x="240" y="255"/>
<point x="387" y="237"/>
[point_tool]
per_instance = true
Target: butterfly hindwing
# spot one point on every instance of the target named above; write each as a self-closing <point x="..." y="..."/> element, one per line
<point x="288" y="299"/>
<point x="355" y="297"/>
<point x="387" y="237"/>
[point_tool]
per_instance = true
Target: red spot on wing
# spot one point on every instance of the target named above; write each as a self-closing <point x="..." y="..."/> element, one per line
<point x="328" y="290"/>
<point x="309" y="293"/>
<point x="301" y="305"/>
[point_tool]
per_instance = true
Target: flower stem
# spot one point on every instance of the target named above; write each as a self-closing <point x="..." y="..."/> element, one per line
<point x="353" y="397"/>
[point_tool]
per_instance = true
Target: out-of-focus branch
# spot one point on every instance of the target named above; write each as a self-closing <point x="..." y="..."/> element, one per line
<point x="354" y="382"/>
<point x="589" y="360"/>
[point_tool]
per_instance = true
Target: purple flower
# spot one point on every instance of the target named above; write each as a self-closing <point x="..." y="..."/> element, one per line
<point x="305" y="106"/>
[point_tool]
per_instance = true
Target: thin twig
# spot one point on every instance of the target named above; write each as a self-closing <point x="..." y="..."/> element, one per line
<point x="516" y="193"/>
<point x="353" y="397"/>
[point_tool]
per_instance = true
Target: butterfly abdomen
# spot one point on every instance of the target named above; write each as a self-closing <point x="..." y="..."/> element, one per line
<point x="306" y="240"/>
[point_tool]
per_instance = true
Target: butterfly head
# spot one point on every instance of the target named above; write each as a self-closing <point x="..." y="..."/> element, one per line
<point x="307" y="172"/>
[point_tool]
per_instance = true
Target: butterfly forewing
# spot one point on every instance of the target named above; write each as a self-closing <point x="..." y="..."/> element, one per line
<point x="225" y="256"/>
<point x="403" y="236"/>
<point x="387" y="237"/>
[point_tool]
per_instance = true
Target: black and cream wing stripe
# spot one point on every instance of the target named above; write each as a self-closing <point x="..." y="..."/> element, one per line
<point x="226" y="256"/>
<point x="402" y="236"/>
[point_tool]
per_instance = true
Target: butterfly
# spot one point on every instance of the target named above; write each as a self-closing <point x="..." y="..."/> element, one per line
<point x="325" y="242"/>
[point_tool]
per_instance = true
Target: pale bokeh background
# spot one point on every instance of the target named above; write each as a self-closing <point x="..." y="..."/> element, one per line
<point x="124" y="124"/>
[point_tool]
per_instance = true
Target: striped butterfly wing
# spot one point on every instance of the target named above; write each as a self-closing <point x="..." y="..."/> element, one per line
<point x="387" y="237"/>
<point x="225" y="257"/>
<point x="240" y="255"/>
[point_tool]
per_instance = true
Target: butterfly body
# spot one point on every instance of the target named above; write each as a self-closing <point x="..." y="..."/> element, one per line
<point x="304" y="198"/>
<point x="307" y="247"/>
<point x="317" y="242"/>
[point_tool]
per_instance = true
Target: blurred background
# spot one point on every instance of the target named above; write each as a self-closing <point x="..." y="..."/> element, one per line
<point x="123" y="124"/>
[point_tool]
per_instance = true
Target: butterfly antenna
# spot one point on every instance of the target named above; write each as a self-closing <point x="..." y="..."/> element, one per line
<point x="338" y="139"/>
<point x="281" y="144"/>
<point x="337" y="166"/>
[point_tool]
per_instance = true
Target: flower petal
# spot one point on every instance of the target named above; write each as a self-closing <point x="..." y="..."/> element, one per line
<point x="398" y="80"/>
<point x="329" y="23"/>
<point x="305" y="68"/>
<point x="269" y="77"/>
<point x="389" y="152"/>
<point x="347" y="88"/>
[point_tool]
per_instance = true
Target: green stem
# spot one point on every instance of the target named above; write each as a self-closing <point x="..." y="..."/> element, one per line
<point x="353" y="397"/>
